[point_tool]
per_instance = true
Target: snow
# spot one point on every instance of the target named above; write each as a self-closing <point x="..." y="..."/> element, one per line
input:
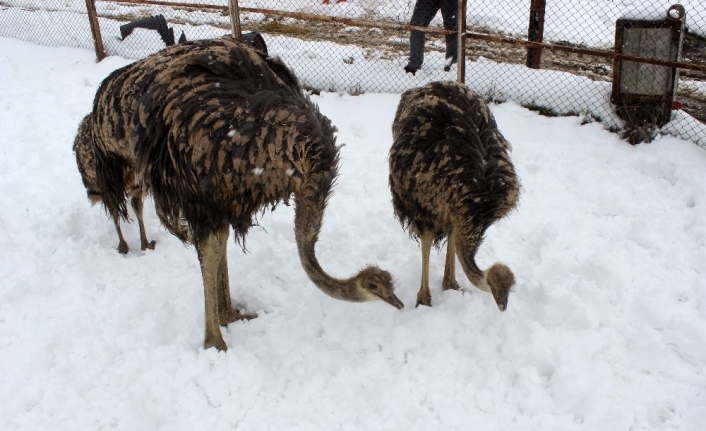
<point x="651" y="14"/>
<point x="606" y="328"/>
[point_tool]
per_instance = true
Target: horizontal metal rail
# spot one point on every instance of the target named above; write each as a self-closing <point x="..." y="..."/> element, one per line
<point x="297" y="15"/>
<point x="595" y="53"/>
<point x="396" y="26"/>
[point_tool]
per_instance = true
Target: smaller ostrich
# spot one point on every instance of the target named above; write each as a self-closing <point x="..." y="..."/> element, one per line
<point x="451" y="177"/>
<point x="86" y="161"/>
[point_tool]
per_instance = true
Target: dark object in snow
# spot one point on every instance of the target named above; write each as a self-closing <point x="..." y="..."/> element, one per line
<point x="255" y="39"/>
<point x="451" y="177"/>
<point x="221" y="132"/>
<point x="157" y="23"/>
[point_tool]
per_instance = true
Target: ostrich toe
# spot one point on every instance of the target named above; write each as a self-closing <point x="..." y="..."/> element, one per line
<point x="423" y="299"/>
<point x="232" y="315"/>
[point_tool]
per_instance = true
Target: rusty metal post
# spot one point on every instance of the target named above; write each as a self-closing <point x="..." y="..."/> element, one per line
<point x="95" y="29"/>
<point x="461" y="54"/>
<point x="536" y="33"/>
<point x="234" y="12"/>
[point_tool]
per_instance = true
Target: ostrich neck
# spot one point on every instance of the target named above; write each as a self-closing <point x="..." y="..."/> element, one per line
<point x="307" y="224"/>
<point x="467" y="256"/>
<point x="333" y="287"/>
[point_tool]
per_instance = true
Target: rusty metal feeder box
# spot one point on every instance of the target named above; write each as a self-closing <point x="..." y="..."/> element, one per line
<point x="643" y="92"/>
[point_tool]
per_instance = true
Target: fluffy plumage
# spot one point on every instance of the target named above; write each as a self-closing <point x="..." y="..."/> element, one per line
<point x="451" y="177"/>
<point x="221" y="132"/>
<point x="124" y="183"/>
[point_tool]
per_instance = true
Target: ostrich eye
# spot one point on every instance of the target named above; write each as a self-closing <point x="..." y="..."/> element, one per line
<point x="372" y="286"/>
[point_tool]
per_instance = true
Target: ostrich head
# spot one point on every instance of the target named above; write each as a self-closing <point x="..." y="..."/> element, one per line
<point x="85" y="159"/>
<point x="375" y="284"/>
<point x="500" y="280"/>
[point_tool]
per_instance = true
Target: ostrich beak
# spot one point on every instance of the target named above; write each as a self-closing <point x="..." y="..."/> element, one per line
<point x="393" y="300"/>
<point x="500" y="300"/>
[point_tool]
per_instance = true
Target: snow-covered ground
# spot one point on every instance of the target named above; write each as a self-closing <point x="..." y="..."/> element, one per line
<point x="606" y="328"/>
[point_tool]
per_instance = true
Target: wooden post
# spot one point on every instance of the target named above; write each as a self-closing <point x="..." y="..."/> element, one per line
<point x="536" y="33"/>
<point x="234" y="11"/>
<point x="461" y="54"/>
<point x="95" y="29"/>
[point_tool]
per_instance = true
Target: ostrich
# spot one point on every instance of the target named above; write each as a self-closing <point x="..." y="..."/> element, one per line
<point x="220" y="133"/>
<point x="451" y="177"/>
<point x="84" y="149"/>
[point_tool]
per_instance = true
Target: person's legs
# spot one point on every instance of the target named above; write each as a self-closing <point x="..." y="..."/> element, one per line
<point x="449" y="9"/>
<point x="424" y="11"/>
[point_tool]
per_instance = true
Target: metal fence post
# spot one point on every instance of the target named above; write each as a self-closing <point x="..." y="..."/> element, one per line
<point x="536" y="33"/>
<point x="234" y="11"/>
<point x="461" y="54"/>
<point x="95" y="29"/>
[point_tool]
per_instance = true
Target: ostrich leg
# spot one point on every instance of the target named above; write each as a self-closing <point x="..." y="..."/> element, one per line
<point x="210" y="252"/>
<point x="122" y="245"/>
<point x="424" y="296"/>
<point x="449" y="281"/>
<point x="226" y="312"/>
<point x="144" y="242"/>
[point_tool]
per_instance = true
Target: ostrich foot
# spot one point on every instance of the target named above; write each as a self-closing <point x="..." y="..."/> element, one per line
<point x="215" y="341"/>
<point x="423" y="299"/>
<point x="450" y="285"/>
<point x="123" y="247"/>
<point x="232" y="315"/>
<point x="148" y="245"/>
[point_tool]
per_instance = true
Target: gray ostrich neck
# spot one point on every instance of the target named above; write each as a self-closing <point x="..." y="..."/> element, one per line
<point x="307" y="225"/>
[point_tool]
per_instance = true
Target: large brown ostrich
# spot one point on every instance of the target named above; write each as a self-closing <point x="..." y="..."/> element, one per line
<point x="451" y="177"/>
<point x="84" y="149"/>
<point x="222" y="132"/>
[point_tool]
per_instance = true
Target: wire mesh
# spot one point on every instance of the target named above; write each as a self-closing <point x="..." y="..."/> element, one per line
<point x="359" y="46"/>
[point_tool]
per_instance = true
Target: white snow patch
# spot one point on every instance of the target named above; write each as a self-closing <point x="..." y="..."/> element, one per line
<point x="605" y="330"/>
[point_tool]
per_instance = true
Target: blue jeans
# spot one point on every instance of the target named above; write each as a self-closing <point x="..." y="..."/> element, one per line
<point x="424" y="12"/>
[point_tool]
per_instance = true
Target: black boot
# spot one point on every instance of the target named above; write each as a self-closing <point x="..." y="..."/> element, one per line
<point x="409" y="68"/>
<point x="448" y="63"/>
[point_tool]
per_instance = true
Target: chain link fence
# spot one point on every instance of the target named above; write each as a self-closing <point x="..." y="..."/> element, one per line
<point x="359" y="46"/>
